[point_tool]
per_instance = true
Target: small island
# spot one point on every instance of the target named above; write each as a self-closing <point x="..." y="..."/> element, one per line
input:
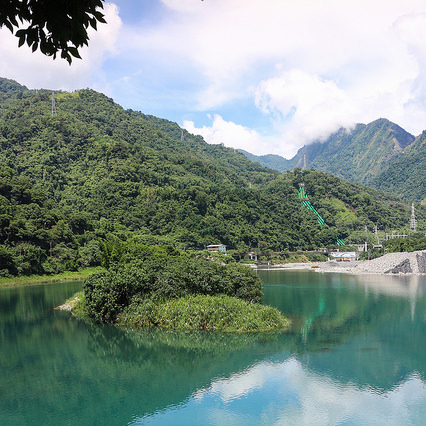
<point x="167" y="288"/>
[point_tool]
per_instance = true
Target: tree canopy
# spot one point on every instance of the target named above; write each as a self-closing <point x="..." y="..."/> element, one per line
<point x="94" y="181"/>
<point x="52" y="26"/>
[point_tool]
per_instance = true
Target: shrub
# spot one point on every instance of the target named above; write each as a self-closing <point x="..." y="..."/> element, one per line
<point x="161" y="278"/>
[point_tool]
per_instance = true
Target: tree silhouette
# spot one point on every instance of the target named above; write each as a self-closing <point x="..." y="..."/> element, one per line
<point x="52" y="26"/>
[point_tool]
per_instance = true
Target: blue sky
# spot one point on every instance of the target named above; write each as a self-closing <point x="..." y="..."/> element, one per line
<point x="267" y="76"/>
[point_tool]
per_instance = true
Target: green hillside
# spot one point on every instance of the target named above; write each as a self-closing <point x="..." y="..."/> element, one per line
<point x="95" y="172"/>
<point x="10" y="88"/>
<point x="357" y="155"/>
<point x="406" y="177"/>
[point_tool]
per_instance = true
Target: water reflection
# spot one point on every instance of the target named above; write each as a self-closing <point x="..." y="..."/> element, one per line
<point x="355" y="356"/>
<point x="409" y="287"/>
<point x="353" y="327"/>
<point x="288" y="393"/>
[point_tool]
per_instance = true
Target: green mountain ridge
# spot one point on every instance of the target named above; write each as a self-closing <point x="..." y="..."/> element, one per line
<point x="9" y="88"/>
<point x="406" y="176"/>
<point x="95" y="172"/>
<point x="380" y="154"/>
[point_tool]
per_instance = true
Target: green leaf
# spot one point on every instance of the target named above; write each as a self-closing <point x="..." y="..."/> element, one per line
<point x="8" y="25"/>
<point x="21" y="40"/>
<point x="93" y="23"/>
<point x="74" y="52"/>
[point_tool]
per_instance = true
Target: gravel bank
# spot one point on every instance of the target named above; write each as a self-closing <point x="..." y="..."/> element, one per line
<point x="397" y="263"/>
<point x="391" y="263"/>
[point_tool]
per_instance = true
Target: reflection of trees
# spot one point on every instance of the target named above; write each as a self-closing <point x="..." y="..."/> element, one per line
<point x="107" y="375"/>
<point x="58" y="367"/>
<point x="30" y="302"/>
<point x="172" y="365"/>
<point x="374" y="337"/>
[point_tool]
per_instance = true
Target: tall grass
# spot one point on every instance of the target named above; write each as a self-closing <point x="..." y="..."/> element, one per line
<point x="201" y="312"/>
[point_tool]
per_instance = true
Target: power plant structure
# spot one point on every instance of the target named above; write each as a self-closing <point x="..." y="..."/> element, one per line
<point x="307" y="204"/>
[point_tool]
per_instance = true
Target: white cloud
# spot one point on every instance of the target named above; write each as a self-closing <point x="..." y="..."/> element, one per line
<point x="310" y="106"/>
<point x="238" y="385"/>
<point x="226" y="38"/>
<point x="36" y="70"/>
<point x="308" y="66"/>
<point x="411" y="30"/>
<point x="235" y="136"/>
<point x="332" y="62"/>
<point x="307" y="107"/>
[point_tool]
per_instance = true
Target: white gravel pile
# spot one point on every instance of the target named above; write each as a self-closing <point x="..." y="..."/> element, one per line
<point x="390" y="261"/>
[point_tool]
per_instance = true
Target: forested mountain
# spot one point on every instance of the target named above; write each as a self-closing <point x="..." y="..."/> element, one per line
<point x="9" y="88"/>
<point x="272" y="161"/>
<point x="406" y="176"/>
<point x="94" y="172"/>
<point x="380" y="154"/>
<point x="359" y="154"/>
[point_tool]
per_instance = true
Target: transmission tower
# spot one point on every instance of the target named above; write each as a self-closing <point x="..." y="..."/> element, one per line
<point x="53" y="105"/>
<point x="376" y="233"/>
<point x="413" y="221"/>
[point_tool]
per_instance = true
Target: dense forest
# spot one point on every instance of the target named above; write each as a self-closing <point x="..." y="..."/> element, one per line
<point x="88" y="172"/>
<point x="407" y="175"/>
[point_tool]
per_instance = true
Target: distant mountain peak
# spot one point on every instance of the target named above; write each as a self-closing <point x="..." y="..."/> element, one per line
<point x="359" y="154"/>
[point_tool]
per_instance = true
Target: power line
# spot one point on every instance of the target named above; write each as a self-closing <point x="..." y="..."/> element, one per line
<point x="307" y="204"/>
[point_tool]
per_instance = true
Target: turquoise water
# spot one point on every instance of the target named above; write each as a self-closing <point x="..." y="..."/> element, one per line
<point x="356" y="355"/>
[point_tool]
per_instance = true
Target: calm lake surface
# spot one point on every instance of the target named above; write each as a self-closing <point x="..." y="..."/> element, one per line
<point x="356" y="355"/>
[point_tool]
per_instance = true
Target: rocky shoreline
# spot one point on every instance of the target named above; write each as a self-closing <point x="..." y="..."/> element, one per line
<point x="413" y="263"/>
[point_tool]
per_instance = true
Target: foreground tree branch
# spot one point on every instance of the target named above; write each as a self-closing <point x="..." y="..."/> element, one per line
<point x="53" y="26"/>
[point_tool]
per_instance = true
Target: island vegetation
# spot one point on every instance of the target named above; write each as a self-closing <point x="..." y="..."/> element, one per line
<point x="168" y="288"/>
